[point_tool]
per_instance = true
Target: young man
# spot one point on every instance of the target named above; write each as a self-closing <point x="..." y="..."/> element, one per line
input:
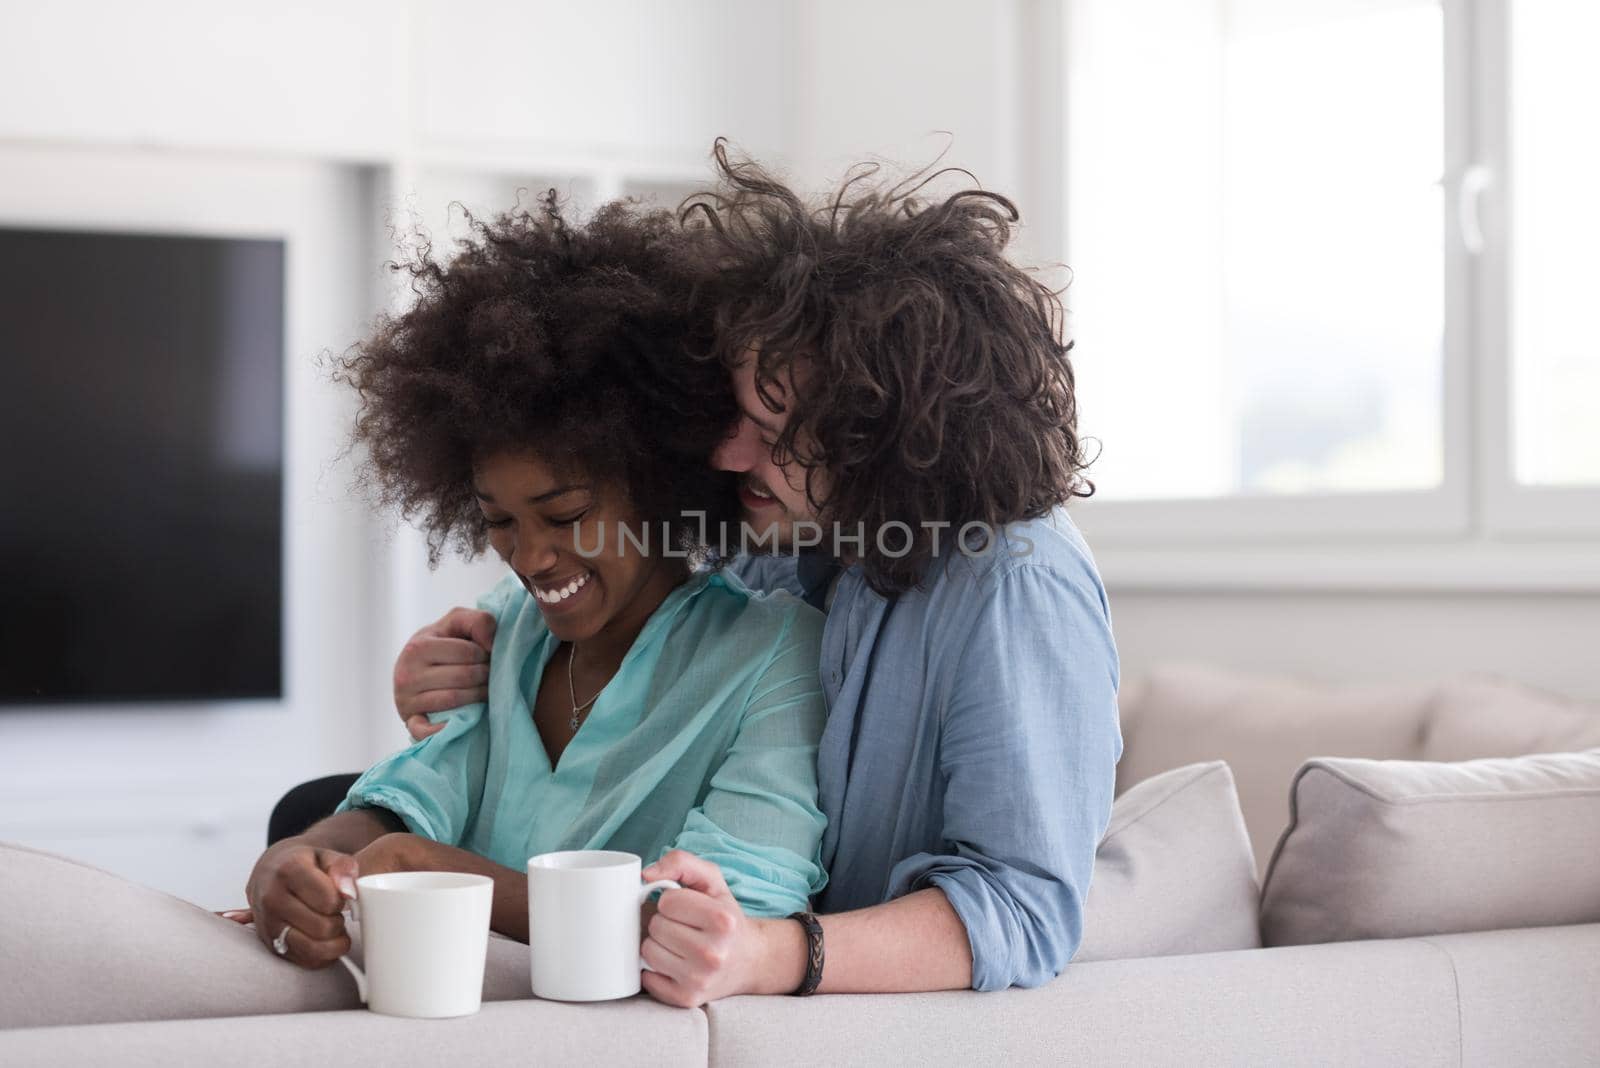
<point x="908" y="438"/>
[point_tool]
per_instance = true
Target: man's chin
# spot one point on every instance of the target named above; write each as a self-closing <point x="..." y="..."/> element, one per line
<point x="765" y="531"/>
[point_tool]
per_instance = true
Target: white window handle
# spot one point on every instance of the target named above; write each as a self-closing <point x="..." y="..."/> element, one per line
<point x="1469" y="194"/>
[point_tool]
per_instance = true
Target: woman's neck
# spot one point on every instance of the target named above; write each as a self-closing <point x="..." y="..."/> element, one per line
<point x="607" y="647"/>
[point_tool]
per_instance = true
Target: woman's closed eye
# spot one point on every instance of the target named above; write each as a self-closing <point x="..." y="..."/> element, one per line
<point x="555" y="521"/>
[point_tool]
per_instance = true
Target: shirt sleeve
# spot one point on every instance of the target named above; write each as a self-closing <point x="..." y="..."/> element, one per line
<point x="759" y="821"/>
<point x="1029" y="747"/>
<point x="436" y="785"/>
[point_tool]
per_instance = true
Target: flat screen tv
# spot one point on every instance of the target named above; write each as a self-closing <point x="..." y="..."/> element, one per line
<point x="141" y="468"/>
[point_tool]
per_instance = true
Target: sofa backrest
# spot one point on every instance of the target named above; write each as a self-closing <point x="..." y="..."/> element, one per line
<point x="1265" y="727"/>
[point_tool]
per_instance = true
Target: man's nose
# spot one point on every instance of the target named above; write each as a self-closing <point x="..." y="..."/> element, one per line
<point x="738" y="451"/>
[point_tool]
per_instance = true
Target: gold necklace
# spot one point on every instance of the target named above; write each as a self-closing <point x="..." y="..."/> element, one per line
<point x="573" y="693"/>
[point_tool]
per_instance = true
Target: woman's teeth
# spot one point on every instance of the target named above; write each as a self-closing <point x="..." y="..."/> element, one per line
<point x="561" y="593"/>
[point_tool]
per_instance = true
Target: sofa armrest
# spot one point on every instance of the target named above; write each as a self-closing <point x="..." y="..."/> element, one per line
<point x="637" y="1031"/>
<point x="1373" y="1002"/>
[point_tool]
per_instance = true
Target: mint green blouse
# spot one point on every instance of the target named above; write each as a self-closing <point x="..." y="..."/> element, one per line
<point x="704" y="740"/>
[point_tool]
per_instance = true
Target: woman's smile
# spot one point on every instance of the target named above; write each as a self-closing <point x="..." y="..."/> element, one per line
<point x="560" y="595"/>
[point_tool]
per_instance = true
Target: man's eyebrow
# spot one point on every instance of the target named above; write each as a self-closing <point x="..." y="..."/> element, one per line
<point x="540" y="499"/>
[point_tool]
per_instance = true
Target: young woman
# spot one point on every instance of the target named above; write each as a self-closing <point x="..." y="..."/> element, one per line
<point x="539" y="399"/>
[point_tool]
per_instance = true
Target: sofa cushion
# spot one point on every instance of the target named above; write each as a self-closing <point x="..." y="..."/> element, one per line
<point x="1264" y="727"/>
<point x="1392" y="848"/>
<point x="1476" y="718"/>
<point x="1173" y="873"/>
<point x="83" y="946"/>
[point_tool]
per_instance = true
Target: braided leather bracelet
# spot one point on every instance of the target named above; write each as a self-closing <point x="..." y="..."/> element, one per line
<point x="813" y="955"/>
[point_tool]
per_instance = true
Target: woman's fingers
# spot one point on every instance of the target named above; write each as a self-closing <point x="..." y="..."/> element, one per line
<point x="310" y="952"/>
<point x="311" y="885"/>
<point x="280" y="908"/>
<point x="239" y="916"/>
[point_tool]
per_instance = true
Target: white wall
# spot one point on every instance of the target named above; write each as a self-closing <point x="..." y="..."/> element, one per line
<point x="902" y="81"/>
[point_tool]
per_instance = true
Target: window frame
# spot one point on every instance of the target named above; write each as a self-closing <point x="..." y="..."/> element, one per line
<point x="1460" y="534"/>
<point x="1509" y="509"/>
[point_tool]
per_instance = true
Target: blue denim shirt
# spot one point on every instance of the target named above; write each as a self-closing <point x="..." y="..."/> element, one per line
<point x="972" y="741"/>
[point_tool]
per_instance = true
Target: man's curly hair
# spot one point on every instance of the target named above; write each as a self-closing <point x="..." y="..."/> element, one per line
<point x="550" y="338"/>
<point x="933" y="384"/>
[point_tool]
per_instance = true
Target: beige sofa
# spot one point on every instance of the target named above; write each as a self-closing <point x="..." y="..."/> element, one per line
<point x="1508" y="996"/>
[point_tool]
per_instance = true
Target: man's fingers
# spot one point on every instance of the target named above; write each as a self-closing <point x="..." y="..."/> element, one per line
<point x="480" y="629"/>
<point x="661" y="959"/>
<point x="431" y="701"/>
<point x="666" y="990"/>
<point x="690" y="871"/>
<point x="693" y="909"/>
<point x="679" y="939"/>
<point x="423" y="652"/>
<point x="420" y="727"/>
<point x="470" y="624"/>
<point x="450" y="677"/>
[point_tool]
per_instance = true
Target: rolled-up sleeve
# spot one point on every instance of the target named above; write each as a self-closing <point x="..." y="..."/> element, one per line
<point x="759" y="821"/>
<point x="436" y="785"/>
<point x="1029" y="745"/>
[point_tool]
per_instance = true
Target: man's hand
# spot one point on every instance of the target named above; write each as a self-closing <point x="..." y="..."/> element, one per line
<point x="445" y="665"/>
<point x="701" y="945"/>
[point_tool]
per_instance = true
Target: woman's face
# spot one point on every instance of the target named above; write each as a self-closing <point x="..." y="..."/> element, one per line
<point x="537" y="520"/>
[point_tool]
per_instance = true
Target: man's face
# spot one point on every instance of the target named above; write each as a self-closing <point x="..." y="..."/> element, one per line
<point x="773" y="495"/>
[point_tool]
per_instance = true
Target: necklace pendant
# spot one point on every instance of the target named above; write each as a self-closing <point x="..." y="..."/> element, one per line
<point x="573" y="723"/>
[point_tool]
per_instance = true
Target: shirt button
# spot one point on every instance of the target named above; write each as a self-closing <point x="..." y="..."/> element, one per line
<point x="836" y="676"/>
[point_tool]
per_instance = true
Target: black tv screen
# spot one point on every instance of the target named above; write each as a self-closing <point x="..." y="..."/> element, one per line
<point x="141" y="467"/>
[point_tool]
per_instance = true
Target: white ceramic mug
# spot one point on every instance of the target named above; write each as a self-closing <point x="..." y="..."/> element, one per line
<point x="583" y="924"/>
<point x="425" y="936"/>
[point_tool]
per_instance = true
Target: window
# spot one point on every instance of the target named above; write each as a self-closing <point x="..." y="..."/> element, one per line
<point x="1555" y="250"/>
<point x="1332" y="261"/>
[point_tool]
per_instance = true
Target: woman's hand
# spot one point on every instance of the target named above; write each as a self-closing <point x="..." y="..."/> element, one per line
<point x="444" y="665"/>
<point x="397" y="852"/>
<point x="300" y="888"/>
<point x="701" y="944"/>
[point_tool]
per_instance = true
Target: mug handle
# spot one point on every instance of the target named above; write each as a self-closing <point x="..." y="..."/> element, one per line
<point x="352" y="913"/>
<point x="644" y="895"/>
